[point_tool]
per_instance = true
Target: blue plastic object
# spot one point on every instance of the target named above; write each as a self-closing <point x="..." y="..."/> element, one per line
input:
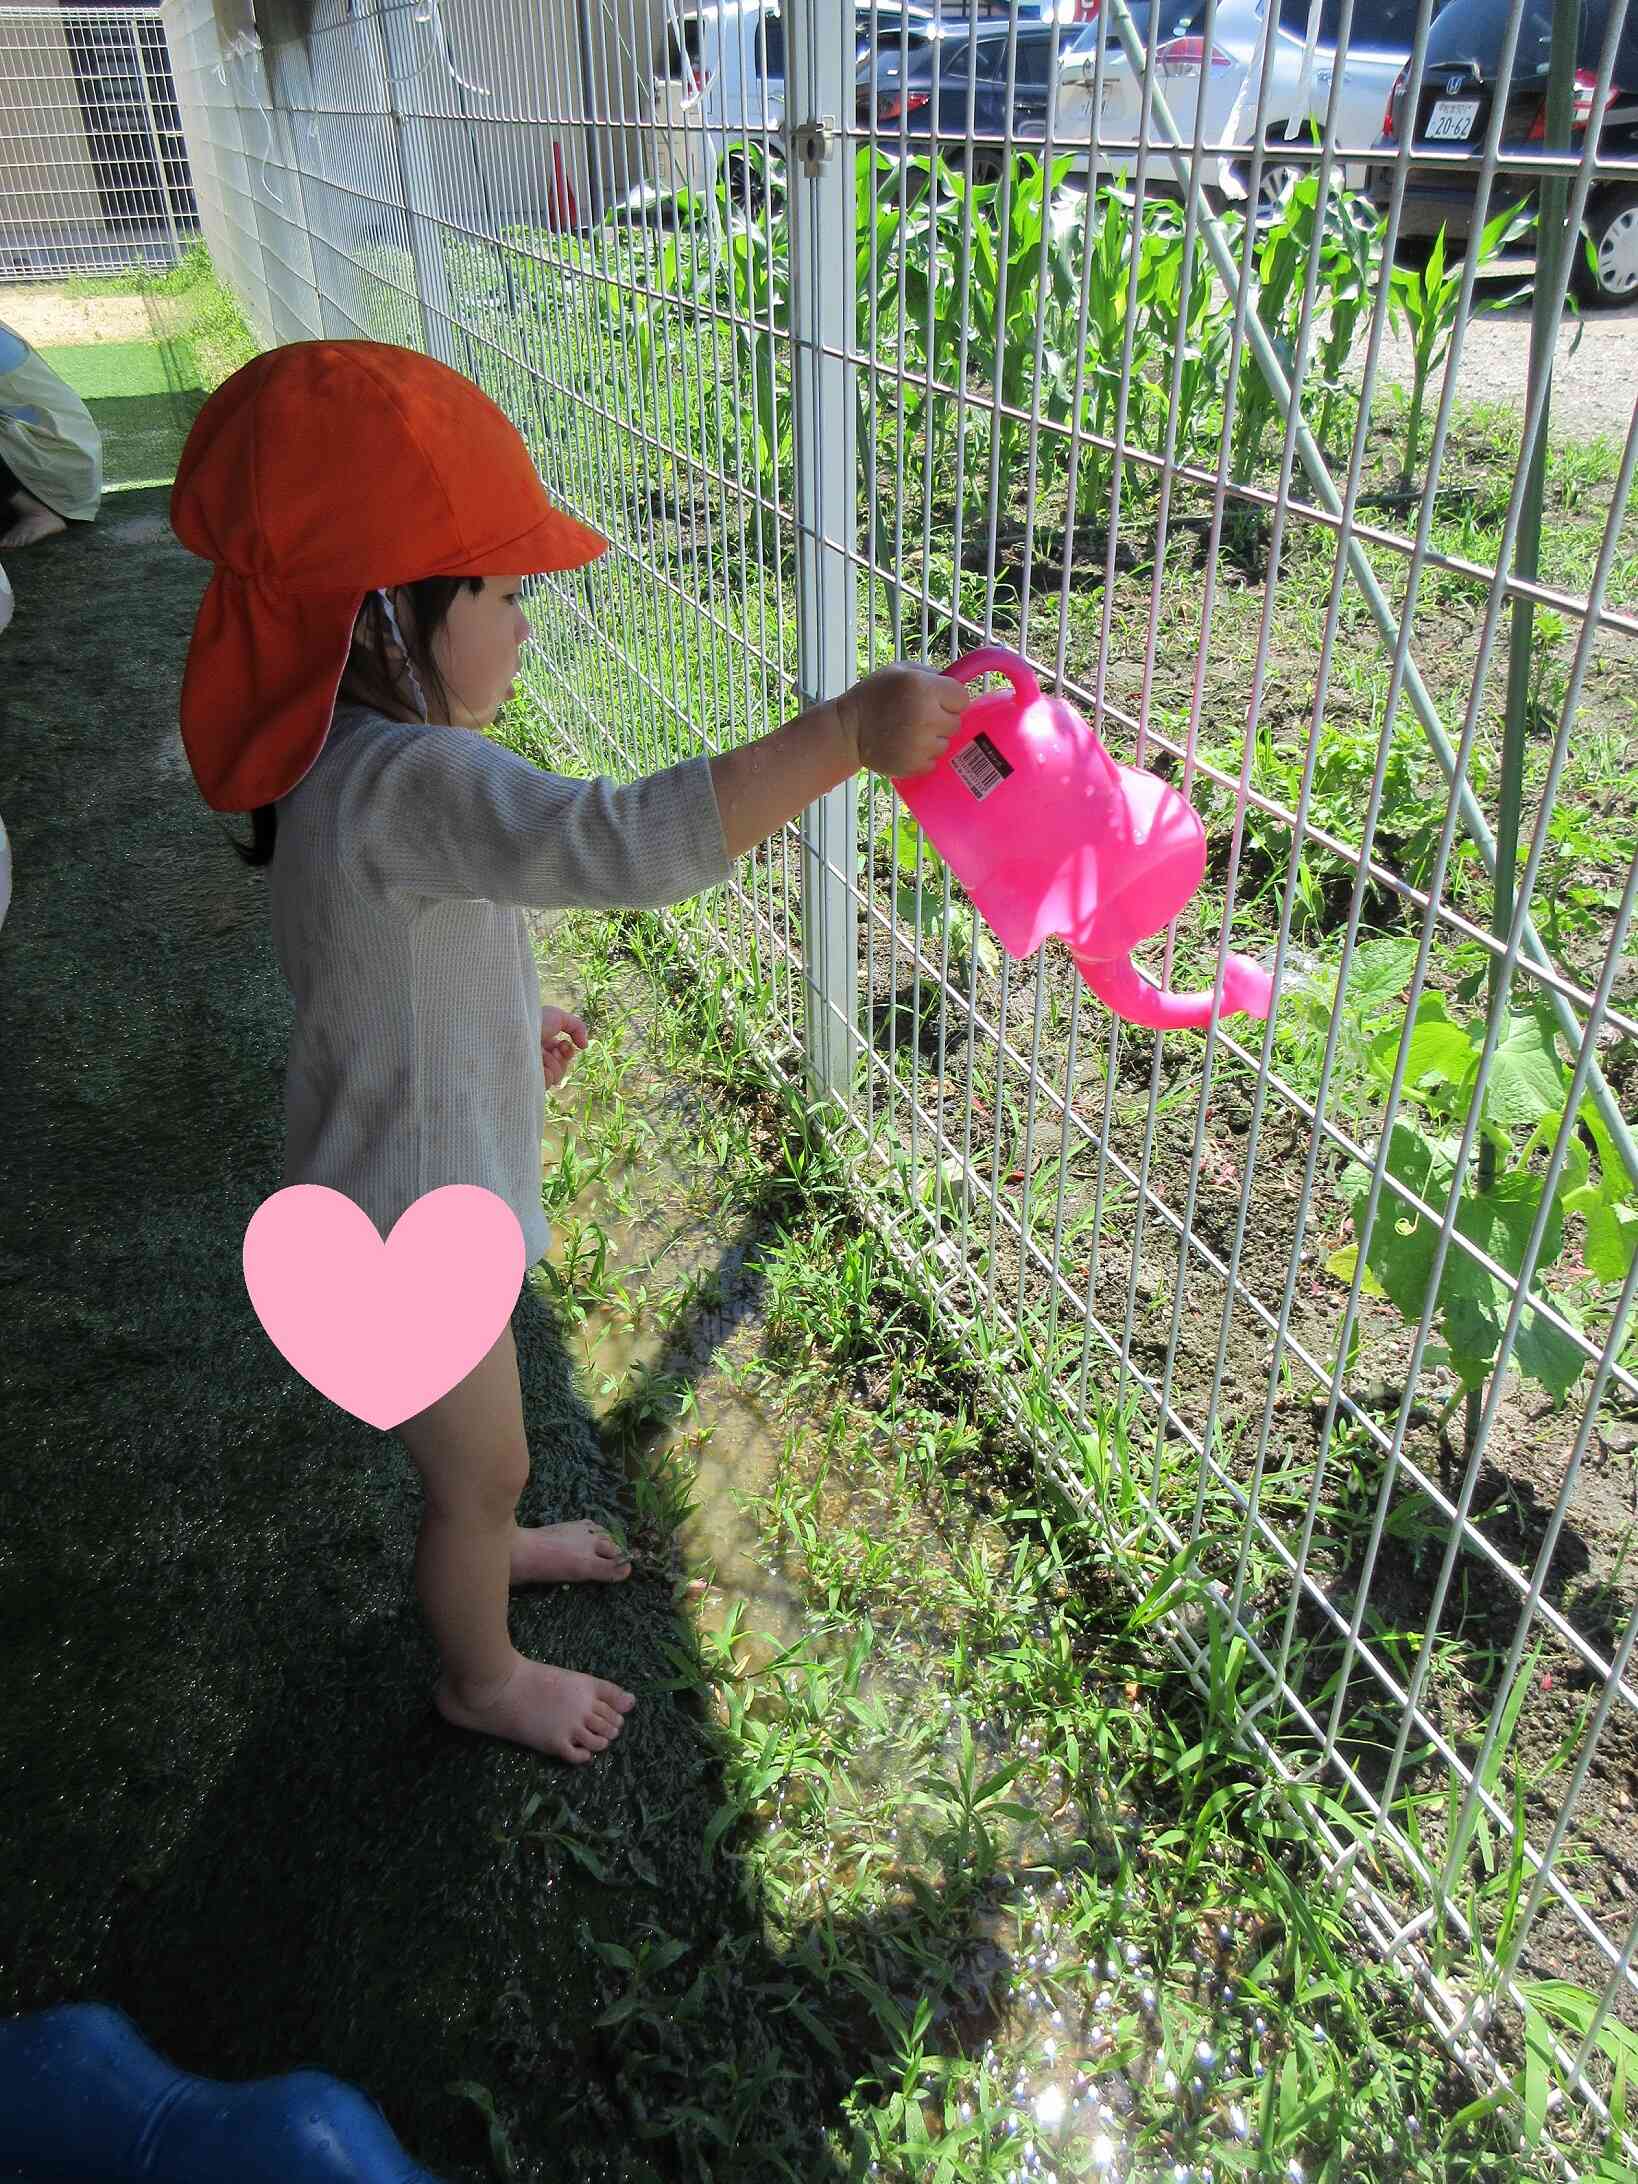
<point x="84" y="2097"/>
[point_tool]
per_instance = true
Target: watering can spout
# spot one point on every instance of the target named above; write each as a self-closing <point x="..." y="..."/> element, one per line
<point x="1121" y="986"/>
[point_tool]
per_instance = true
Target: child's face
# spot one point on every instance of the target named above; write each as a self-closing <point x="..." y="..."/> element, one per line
<point x="476" y="651"/>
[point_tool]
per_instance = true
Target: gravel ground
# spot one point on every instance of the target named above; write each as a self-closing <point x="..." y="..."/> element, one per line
<point x="1595" y="375"/>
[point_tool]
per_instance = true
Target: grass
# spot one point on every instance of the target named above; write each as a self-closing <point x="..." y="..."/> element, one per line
<point x="1019" y="1886"/>
<point x="144" y="396"/>
<point x="200" y="321"/>
<point x="195" y="306"/>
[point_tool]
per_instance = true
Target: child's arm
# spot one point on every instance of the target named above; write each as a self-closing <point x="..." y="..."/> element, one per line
<point x="897" y="721"/>
<point x="440" y="813"/>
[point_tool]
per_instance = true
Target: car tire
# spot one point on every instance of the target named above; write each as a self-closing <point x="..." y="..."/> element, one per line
<point x="1609" y="237"/>
<point x="753" y="181"/>
<point x="1277" y="176"/>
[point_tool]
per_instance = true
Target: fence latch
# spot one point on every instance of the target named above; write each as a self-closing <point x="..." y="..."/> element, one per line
<point x="812" y="142"/>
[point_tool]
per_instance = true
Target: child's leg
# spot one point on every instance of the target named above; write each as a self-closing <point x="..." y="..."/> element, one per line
<point x="473" y="1457"/>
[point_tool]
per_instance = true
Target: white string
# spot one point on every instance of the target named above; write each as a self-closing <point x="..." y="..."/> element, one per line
<point x="409" y="664"/>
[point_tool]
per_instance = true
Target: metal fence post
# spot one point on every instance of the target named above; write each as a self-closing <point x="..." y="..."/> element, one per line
<point x="819" y="179"/>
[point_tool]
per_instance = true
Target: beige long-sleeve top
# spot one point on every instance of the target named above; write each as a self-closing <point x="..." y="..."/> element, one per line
<point x="405" y="859"/>
<point x="48" y="438"/>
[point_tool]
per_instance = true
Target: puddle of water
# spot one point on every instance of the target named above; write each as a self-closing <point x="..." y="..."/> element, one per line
<point x="1051" y="2060"/>
<point x="728" y="1442"/>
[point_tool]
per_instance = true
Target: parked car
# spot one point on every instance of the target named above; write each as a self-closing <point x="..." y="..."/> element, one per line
<point x="891" y="40"/>
<point x="1228" y="76"/>
<point x="718" y="85"/>
<point x="1459" y="82"/>
<point x="972" y="70"/>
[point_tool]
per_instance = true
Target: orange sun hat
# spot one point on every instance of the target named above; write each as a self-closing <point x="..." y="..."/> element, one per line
<point x="319" y="473"/>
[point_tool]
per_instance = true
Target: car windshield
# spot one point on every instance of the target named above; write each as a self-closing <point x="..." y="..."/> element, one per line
<point x="1472" y="33"/>
<point x="1387" y="25"/>
<point x="682" y="52"/>
<point x="1170" y="18"/>
<point x="989" y="54"/>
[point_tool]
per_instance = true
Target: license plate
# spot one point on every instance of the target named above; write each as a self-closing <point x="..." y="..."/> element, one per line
<point x="1452" y="118"/>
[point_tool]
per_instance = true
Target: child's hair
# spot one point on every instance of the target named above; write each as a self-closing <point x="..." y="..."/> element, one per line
<point x="370" y="680"/>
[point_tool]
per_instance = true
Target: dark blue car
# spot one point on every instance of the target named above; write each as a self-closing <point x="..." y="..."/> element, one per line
<point x="967" y="70"/>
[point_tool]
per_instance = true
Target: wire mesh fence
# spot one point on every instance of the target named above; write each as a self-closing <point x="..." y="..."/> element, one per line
<point x="1126" y="343"/>
<point x="93" y="168"/>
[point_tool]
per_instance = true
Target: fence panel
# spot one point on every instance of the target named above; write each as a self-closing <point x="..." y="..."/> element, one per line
<point x="93" y="168"/>
<point x="1332" y="1312"/>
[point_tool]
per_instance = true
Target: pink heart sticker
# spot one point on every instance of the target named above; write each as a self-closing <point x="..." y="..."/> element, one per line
<point x="383" y="1329"/>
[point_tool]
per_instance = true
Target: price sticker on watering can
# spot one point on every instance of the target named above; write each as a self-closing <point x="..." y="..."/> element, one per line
<point x="981" y="767"/>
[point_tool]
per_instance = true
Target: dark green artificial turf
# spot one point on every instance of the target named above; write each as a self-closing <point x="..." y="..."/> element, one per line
<point x="229" y="1808"/>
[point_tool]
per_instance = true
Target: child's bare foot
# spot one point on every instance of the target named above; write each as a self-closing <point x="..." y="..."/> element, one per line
<point x="553" y="1710"/>
<point x="34" y="521"/>
<point x="566" y="1554"/>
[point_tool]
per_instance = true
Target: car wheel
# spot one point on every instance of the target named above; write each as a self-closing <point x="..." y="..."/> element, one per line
<point x="1279" y="177"/>
<point x="1609" y="239"/>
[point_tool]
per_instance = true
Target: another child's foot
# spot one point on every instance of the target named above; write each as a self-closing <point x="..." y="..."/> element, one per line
<point x="553" y="1710"/>
<point x="33" y="522"/>
<point x="566" y="1554"/>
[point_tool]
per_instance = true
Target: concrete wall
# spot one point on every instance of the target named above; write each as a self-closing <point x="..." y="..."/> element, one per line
<point x="306" y="155"/>
<point x="565" y="78"/>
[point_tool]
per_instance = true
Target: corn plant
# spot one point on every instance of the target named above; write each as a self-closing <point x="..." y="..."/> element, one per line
<point x="743" y="268"/>
<point x="1151" y="303"/>
<point x="1349" y="266"/>
<point x="975" y="271"/>
<point x="1200" y="322"/>
<point x="1424" y="302"/>
<point x="1351" y="269"/>
<point x="1276" y="297"/>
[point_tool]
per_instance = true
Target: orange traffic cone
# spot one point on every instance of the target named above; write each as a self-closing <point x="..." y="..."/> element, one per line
<point x="561" y="212"/>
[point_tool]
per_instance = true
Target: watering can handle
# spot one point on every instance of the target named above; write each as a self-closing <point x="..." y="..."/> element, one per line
<point x="997" y="660"/>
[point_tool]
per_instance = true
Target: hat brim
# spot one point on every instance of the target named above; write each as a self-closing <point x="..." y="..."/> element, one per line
<point x="263" y="669"/>
<point x="558" y="541"/>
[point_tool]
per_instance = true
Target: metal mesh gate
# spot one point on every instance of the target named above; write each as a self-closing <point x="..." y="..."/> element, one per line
<point x="1330" y="1320"/>
<point x="93" y="169"/>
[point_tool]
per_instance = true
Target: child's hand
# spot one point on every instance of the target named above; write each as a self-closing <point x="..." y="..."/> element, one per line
<point x="561" y="1037"/>
<point x="901" y="718"/>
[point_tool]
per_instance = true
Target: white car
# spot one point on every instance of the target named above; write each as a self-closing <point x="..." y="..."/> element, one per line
<point x="1304" y="35"/>
<point x="719" y="80"/>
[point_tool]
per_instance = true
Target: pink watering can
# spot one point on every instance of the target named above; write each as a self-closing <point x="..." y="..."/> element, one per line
<point x="1048" y="834"/>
